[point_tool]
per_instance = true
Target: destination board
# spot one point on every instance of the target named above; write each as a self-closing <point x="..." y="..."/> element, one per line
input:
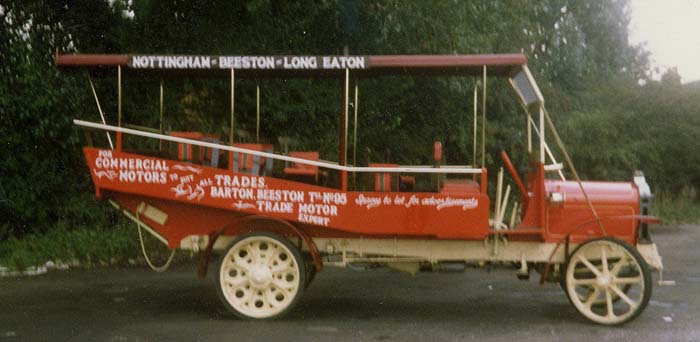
<point x="248" y="62"/>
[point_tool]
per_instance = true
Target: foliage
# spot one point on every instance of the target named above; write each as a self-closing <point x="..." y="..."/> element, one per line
<point x="651" y="128"/>
<point x="89" y="245"/>
<point x="106" y="245"/>
<point x="40" y="158"/>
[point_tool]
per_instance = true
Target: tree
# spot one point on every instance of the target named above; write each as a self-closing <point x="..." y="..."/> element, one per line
<point x="41" y="165"/>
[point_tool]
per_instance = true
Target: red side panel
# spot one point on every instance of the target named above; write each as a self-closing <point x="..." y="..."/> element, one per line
<point x="430" y="215"/>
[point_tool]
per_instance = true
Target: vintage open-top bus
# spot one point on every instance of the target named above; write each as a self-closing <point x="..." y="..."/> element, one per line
<point x="277" y="220"/>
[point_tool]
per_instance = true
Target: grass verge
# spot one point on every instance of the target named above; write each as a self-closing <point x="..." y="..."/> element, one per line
<point x="85" y="247"/>
<point x="681" y="208"/>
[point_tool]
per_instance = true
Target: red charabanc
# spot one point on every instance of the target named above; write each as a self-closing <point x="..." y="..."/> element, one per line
<point x="277" y="221"/>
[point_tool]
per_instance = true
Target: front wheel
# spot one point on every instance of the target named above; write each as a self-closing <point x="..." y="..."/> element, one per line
<point x="608" y="281"/>
<point x="261" y="276"/>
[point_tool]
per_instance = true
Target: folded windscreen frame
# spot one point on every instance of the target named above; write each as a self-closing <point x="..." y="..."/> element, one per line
<point x="533" y="103"/>
<point x="526" y="88"/>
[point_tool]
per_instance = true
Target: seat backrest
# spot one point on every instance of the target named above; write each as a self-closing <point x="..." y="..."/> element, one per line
<point x="310" y="155"/>
<point x="184" y="151"/>
<point x="243" y="162"/>
<point x="382" y="180"/>
<point x="459" y="187"/>
<point x="287" y="143"/>
<point x="210" y="154"/>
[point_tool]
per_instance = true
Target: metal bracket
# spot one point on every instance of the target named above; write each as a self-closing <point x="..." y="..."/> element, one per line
<point x="663" y="282"/>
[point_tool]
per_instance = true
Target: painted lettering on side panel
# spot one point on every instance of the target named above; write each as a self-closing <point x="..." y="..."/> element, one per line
<point x="255" y="194"/>
<point x="438" y="203"/>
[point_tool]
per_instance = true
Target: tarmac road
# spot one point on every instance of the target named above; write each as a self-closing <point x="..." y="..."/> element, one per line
<point x="119" y="305"/>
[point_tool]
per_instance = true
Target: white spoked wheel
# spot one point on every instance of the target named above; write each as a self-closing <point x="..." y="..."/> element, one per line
<point x="608" y="281"/>
<point x="261" y="276"/>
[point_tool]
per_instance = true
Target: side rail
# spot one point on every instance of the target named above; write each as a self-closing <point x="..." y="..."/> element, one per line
<point x="327" y="165"/>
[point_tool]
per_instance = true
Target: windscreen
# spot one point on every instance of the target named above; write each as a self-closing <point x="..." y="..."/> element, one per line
<point x="526" y="88"/>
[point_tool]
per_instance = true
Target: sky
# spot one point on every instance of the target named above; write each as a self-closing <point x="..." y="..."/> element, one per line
<point x="671" y="31"/>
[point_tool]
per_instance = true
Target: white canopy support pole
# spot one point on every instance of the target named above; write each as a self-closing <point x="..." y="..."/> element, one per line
<point x="99" y="108"/>
<point x="476" y="100"/>
<point x="162" y="131"/>
<point x="354" y="134"/>
<point x="529" y="131"/>
<point x="257" y="113"/>
<point x="546" y="148"/>
<point x="233" y="87"/>
<point x="119" y="95"/>
<point x="483" y="122"/>
<point x="344" y="143"/>
<point x="542" y="143"/>
<point x="162" y="128"/>
<point x="346" y="106"/>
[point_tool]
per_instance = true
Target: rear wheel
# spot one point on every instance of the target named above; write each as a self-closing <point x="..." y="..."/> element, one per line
<point x="261" y="276"/>
<point x="608" y="281"/>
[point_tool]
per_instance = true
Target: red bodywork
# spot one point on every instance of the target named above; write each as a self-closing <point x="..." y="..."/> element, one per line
<point x="201" y="200"/>
<point x="616" y="203"/>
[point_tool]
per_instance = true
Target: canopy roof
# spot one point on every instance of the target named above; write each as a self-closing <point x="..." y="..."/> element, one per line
<point x="497" y="64"/>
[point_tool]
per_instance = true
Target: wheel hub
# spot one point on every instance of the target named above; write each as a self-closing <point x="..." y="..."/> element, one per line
<point x="261" y="275"/>
<point x="604" y="281"/>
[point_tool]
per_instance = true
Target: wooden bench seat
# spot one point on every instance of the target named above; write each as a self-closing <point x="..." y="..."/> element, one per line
<point x="248" y="163"/>
<point x="303" y="170"/>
